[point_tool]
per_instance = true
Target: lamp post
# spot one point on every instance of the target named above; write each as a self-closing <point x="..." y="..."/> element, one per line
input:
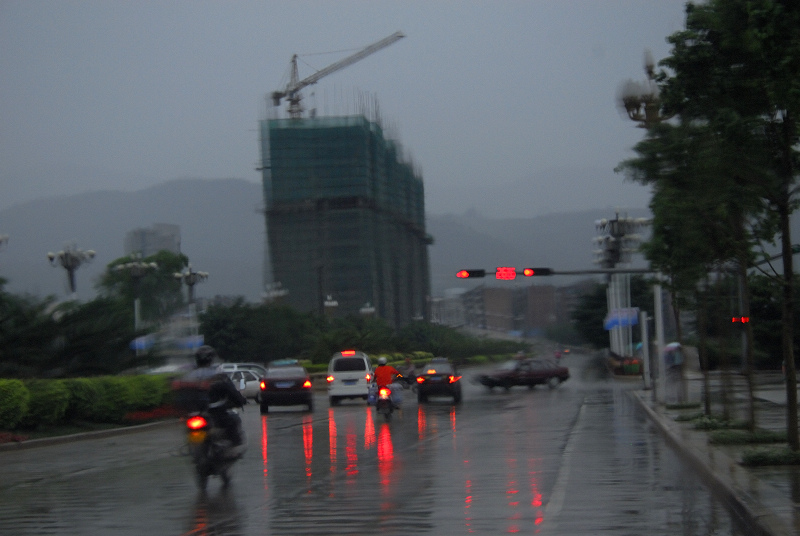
<point x="137" y="269"/>
<point x="642" y="103"/>
<point x="191" y="278"/>
<point x="70" y="258"/>
<point x="618" y="239"/>
<point x="330" y="306"/>
<point x="273" y="292"/>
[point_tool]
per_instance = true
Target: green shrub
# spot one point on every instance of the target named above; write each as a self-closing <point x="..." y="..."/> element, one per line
<point x="148" y="391"/>
<point x="14" y="397"/>
<point x="478" y="360"/>
<point x="85" y="394"/>
<point x="48" y="404"/>
<point x="773" y="456"/>
<point x="744" y="437"/>
<point x="117" y="397"/>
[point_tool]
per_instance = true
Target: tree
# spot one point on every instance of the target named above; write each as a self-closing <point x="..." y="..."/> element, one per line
<point x="158" y="290"/>
<point x="737" y="77"/>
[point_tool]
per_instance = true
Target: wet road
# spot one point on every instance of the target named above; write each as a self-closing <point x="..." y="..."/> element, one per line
<point x="579" y="459"/>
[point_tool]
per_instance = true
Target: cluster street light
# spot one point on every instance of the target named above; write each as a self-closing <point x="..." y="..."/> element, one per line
<point x="191" y="278"/>
<point x="70" y="258"/>
<point x="137" y="269"/>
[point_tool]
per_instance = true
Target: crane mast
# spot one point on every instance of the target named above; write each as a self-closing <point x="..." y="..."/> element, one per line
<point x="292" y="90"/>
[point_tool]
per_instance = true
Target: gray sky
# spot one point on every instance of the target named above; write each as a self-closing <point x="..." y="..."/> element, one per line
<point x="507" y="107"/>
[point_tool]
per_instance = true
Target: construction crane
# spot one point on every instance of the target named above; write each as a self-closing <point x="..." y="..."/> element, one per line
<point x="292" y="90"/>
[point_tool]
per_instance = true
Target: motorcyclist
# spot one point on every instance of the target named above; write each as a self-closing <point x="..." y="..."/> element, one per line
<point x="222" y="395"/>
<point x="385" y="375"/>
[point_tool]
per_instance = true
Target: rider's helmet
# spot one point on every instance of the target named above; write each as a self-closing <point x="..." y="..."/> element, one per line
<point x="381" y="360"/>
<point x="204" y="356"/>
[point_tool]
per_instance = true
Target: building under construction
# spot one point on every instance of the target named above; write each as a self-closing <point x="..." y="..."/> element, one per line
<point x="345" y="217"/>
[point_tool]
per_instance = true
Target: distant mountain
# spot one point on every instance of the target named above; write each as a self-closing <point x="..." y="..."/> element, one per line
<point x="223" y="233"/>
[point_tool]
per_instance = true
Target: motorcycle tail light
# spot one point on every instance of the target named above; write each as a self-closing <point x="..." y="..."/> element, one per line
<point x="420" y="379"/>
<point x="196" y="423"/>
<point x="263" y="385"/>
<point x="307" y="384"/>
<point x="329" y="378"/>
<point x="454" y="379"/>
<point x="384" y="392"/>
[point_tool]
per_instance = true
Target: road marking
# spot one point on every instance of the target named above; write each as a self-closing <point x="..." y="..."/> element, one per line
<point x="553" y="508"/>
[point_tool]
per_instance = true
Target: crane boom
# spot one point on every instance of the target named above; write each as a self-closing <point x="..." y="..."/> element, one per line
<point x="292" y="90"/>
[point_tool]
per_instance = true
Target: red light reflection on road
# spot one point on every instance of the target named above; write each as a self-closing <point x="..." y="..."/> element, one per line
<point x="264" y="447"/>
<point x="308" y="443"/>
<point x="467" y="505"/>
<point x="421" y="422"/>
<point x="369" y="430"/>
<point x="453" y="424"/>
<point x="332" y="439"/>
<point x="352" y="453"/>
<point x="385" y="457"/>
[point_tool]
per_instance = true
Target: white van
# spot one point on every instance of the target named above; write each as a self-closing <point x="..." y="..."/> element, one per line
<point x="349" y="376"/>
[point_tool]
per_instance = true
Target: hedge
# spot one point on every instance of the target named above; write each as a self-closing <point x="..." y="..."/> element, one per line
<point x="48" y="404"/>
<point x="14" y="399"/>
<point x="103" y="399"/>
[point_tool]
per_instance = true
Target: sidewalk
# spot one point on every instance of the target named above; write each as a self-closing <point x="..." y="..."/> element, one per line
<point x="766" y="498"/>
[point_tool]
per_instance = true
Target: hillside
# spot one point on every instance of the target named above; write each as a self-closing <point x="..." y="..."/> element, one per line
<point x="222" y="232"/>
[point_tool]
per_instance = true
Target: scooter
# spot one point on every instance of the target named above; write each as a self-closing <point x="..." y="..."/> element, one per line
<point x="212" y="452"/>
<point x="384" y="404"/>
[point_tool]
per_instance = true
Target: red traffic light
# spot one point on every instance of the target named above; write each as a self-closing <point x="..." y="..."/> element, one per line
<point x="505" y="272"/>
<point x="470" y="273"/>
<point x="742" y="319"/>
<point x="530" y="272"/>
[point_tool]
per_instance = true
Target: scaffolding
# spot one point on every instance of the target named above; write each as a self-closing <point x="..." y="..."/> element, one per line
<point x="345" y="218"/>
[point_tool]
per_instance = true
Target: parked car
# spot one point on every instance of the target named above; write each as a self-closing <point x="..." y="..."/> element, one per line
<point x="259" y="370"/>
<point x="528" y="372"/>
<point x="438" y="378"/>
<point x="248" y="383"/>
<point x="286" y="384"/>
<point x="349" y="376"/>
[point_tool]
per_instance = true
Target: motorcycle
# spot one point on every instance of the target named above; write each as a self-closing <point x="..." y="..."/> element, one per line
<point x="384" y="403"/>
<point x="212" y="452"/>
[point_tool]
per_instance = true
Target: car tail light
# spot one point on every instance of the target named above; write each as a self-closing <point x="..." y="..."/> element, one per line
<point x="329" y="378"/>
<point x="454" y="379"/>
<point x="196" y="423"/>
<point x="368" y="377"/>
<point x="307" y="384"/>
<point x="384" y="392"/>
<point x="420" y="379"/>
<point x="263" y="385"/>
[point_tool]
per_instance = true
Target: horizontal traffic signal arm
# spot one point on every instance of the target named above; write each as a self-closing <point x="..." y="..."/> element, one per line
<point x="509" y="273"/>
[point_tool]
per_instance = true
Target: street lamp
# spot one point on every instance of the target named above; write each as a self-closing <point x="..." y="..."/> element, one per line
<point x="70" y="258"/>
<point x="330" y="305"/>
<point x="191" y="278"/>
<point x="137" y="269"/>
<point x="273" y="292"/>
<point x="641" y="100"/>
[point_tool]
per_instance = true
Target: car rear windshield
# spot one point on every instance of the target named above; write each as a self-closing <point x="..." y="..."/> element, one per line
<point x="286" y="372"/>
<point x="438" y="368"/>
<point x="345" y="364"/>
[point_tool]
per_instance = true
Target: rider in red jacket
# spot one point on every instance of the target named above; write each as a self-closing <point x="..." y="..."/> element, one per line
<point x="385" y="374"/>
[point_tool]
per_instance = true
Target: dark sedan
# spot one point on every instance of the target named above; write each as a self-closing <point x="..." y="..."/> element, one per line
<point x="528" y="372"/>
<point x="286" y="385"/>
<point x="438" y="378"/>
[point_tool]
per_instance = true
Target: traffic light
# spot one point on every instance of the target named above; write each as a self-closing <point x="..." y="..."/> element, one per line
<point x="530" y="272"/>
<point x="742" y="319"/>
<point x="471" y="273"/>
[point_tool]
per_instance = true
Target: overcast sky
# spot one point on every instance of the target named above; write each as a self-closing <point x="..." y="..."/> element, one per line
<point x="507" y="107"/>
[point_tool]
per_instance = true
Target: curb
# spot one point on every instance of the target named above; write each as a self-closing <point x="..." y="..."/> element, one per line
<point x="759" y="519"/>
<point x="97" y="434"/>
